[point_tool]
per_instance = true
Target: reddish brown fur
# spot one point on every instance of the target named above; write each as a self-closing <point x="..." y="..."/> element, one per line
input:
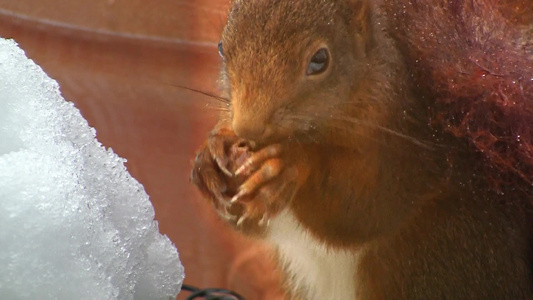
<point x="398" y="148"/>
<point x="476" y="61"/>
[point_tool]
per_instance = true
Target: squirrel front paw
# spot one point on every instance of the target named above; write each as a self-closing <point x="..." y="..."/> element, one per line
<point x="212" y="173"/>
<point x="269" y="183"/>
<point x="246" y="187"/>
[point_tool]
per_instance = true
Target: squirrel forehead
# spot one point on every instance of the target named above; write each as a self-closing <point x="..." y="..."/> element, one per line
<point x="269" y="16"/>
<point x="267" y="23"/>
<point x="265" y="37"/>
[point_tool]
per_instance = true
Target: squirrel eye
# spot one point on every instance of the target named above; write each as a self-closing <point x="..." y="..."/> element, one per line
<point x="220" y="49"/>
<point x="319" y="62"/>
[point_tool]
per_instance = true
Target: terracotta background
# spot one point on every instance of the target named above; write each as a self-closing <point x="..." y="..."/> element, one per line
<point x="120" y="62"/>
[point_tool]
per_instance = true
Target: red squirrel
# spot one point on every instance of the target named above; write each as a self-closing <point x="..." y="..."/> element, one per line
<point x="381" y="147"/>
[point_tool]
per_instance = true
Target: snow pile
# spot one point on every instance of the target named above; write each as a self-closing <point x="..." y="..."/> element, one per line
<point x="74" y="224"/>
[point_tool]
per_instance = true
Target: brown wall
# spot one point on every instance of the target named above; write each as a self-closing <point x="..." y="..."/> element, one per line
<point x="120" y="62"/>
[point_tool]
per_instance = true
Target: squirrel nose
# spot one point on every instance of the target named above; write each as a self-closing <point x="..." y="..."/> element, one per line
<point x="250" y="130"/>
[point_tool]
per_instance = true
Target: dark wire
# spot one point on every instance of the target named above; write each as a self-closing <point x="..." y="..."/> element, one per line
<point x="210" y="294"/>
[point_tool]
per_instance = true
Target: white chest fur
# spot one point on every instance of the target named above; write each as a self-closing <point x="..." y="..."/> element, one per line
<point x="314" y="270"/>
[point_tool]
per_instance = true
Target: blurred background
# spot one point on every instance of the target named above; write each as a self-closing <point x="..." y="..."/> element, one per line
<point x="121" y="63"/>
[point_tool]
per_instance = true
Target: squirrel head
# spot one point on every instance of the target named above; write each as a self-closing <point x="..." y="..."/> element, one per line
<point x="286" y="64"/>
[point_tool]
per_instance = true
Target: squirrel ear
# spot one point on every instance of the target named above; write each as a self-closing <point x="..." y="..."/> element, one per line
<point x="360" y="18"/>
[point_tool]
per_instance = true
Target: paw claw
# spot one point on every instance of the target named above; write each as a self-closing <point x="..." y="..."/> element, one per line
<point x="241" y="169"/>
<point x="222" y="167"/>
<point x="223" y="211"/>
<point x="241" y="220"/>
<point x="265" y="221"/>
<point x="243" y="191"/>
<point x="228" y="217"/>
<point x="235" y="199"/>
